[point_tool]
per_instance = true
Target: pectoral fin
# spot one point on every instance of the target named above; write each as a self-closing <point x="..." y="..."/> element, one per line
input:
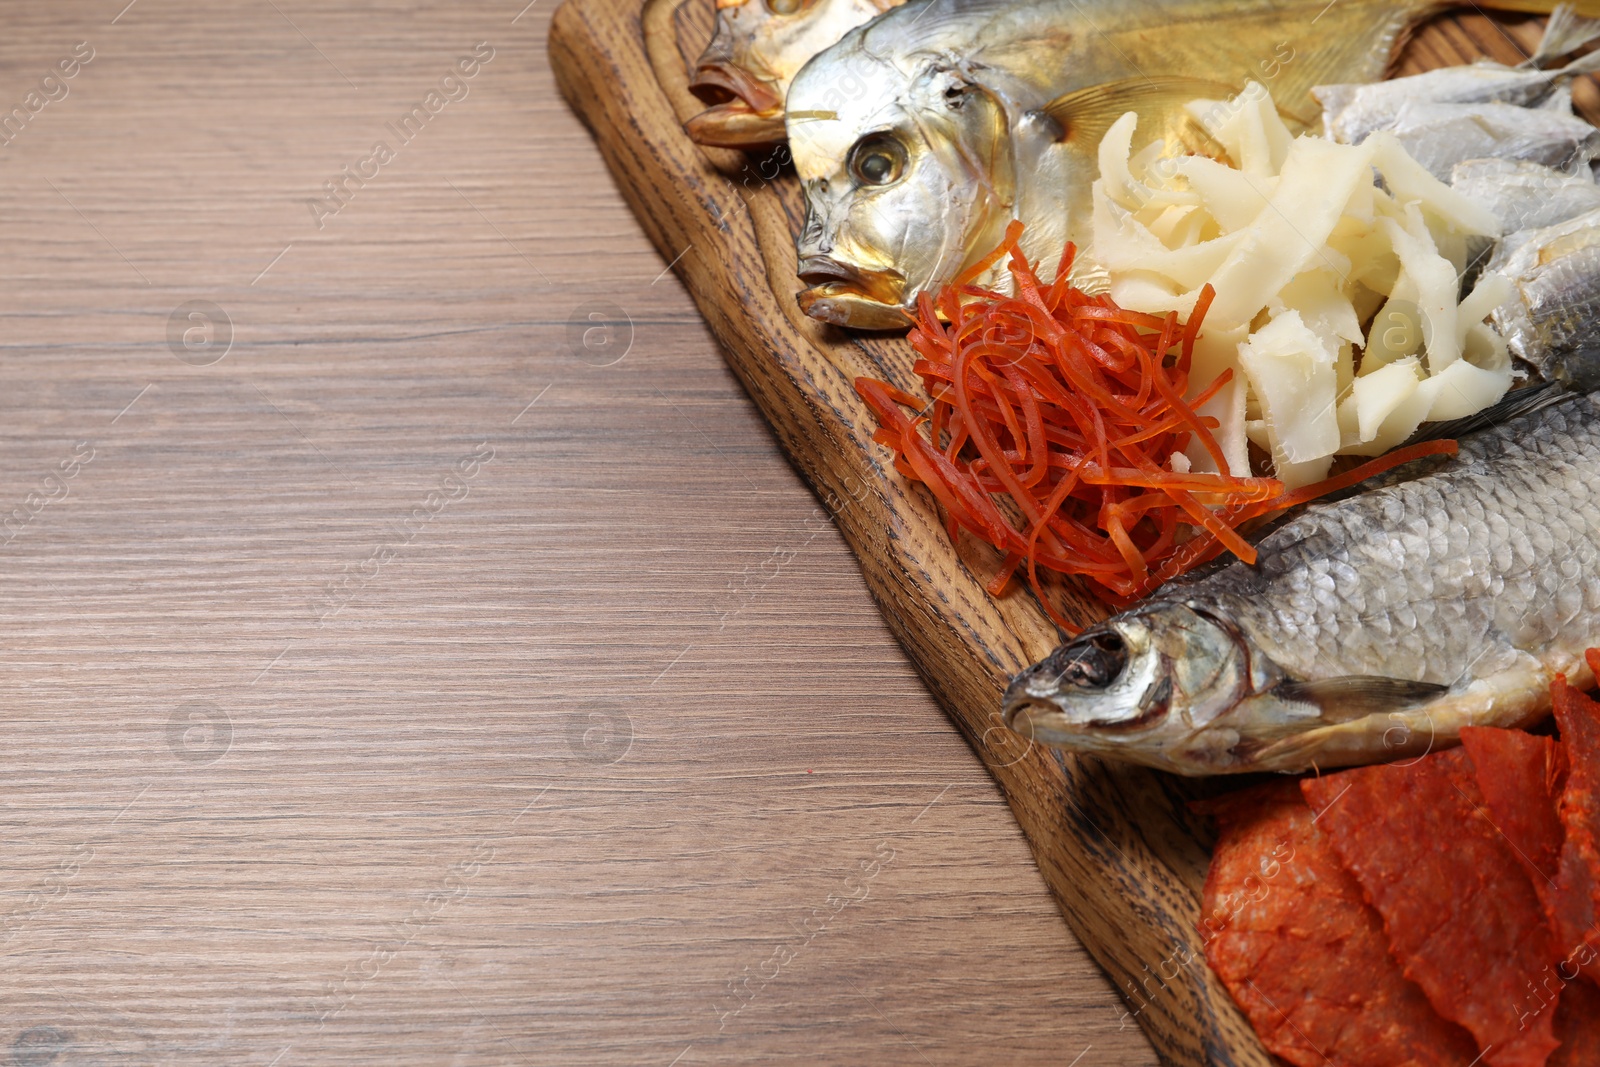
<point x="1085" y="115"/>
<point x="1511" y="699"/>
<point x="1357" y="696"/>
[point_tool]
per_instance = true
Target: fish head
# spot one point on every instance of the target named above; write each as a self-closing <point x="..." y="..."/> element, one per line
<point x="1140" y="687"/>
<point x="906" y="173"/>
<point x="757" y="48"/>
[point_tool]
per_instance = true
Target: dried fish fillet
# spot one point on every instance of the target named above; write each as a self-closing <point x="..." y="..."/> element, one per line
<point x="1520" y="775"/>
<point x="1577" y="1027"/>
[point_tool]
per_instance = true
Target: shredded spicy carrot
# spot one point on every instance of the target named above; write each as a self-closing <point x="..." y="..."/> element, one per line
<point x="1052" y="418"/>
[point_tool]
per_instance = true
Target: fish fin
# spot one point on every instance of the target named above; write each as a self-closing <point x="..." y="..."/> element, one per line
<point x="1584" y="64"/>
<point x="1514" y="698"/>
<point x="1084" y="115"/>
<point x="1566" y="32"/>
<point x="1353" y="42"/>
<point x="1357" y="696"/>
<point x="1372" y="739"/>
<point x="1516" y="403"/>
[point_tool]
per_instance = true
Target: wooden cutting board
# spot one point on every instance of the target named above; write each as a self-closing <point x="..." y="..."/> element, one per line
<point x="1116" y="844"/>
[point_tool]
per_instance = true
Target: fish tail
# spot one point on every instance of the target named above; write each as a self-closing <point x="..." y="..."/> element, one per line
<point x="1589" y="9"/>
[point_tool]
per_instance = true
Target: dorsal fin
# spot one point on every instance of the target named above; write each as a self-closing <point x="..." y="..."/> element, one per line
<point x="1517" y="402"/>
<point x="1085" y="115"/>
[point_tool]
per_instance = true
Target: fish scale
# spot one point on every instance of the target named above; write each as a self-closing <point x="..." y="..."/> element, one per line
<point x="1410" y="540"/>
<point x="1539" y="477"/>
<point x="1477" y="577"/>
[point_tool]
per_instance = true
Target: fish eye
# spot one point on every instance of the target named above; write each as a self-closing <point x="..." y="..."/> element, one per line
<point x="877" y="159"/>
<point x="785" y="7"/>
<point x="1095" y="661"/>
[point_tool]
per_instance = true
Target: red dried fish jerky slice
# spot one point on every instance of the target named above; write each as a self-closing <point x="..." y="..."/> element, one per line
<point x="1578" y="1027"/>
<point x="1572" y="907"/>
<point x="1289" y="934"/>
<point x="1461" y="915"/>
<point x="1520" y="776"/>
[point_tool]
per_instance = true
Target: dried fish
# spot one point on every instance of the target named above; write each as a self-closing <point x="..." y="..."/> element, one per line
<point x="1525" y="196"/>
<point x="1371" y="628"/>
<point x="1550" y="317"/>
<point x="756" y="50"/>
<point x="921" y="135"/>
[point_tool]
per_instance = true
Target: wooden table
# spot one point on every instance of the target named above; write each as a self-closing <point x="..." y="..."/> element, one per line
<point x="414" y="649"/>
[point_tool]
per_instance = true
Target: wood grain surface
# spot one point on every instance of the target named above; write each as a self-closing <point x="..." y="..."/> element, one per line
<point x="1117" y="845"/>
<point x="320" y="750"/>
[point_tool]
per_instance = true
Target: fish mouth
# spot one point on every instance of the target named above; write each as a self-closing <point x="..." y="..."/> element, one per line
<point x="1039" y="719"/>
<point x="1074" y="694"/>
<point x="746" y="112"/>
<point x="1036" y="720"/>
<point x="846" y="295"/>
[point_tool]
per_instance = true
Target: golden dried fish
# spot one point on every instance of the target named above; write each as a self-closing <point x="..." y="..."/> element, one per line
<point x="755" y="52"/>
<point x="919" y="136"/>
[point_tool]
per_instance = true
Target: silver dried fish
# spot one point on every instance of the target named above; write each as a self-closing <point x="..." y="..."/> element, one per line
<point x="1441" y="135"/>
<point x="1352" y="111"/>
<point x="1371" y="628"/>
<point x="1525" y="196"/>
<point x="1551" y="316"/>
